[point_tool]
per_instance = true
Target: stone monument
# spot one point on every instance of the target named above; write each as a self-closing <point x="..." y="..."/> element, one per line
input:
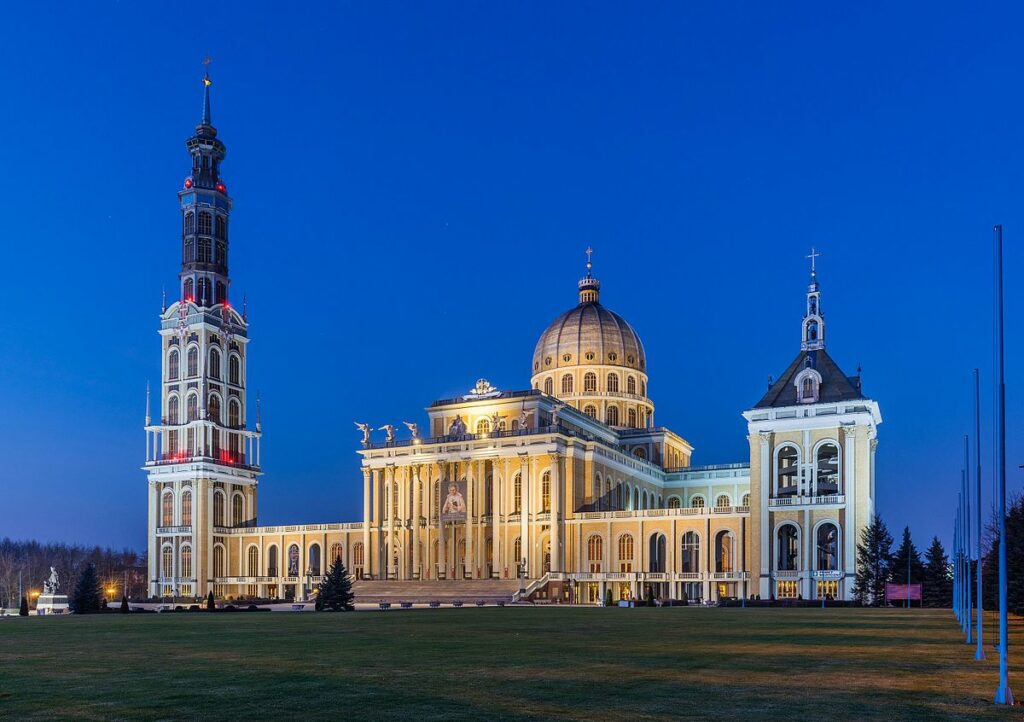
<point x="49" y="601"/>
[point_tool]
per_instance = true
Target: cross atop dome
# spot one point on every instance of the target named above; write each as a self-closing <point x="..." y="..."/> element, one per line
<point x="588" y="285"/>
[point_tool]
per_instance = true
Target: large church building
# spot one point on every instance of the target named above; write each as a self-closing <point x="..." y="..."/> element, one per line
<point x="564" y="490"/>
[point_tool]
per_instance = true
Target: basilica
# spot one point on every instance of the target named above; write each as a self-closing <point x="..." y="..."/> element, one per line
<point x="564" y="490"/>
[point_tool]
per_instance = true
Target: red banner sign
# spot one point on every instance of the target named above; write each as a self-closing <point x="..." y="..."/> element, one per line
<point x="900" y="591"/>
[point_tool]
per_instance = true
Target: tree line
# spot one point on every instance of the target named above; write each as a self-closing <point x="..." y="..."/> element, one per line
<point x="32" y="560"/>
<point x="878" y="564"/>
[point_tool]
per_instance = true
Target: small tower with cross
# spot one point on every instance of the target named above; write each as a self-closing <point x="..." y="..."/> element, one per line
<point x="590" y="287"/>
<point x="813" y="327"/>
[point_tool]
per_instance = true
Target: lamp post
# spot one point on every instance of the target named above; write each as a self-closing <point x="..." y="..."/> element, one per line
<point x="980" y="652"/>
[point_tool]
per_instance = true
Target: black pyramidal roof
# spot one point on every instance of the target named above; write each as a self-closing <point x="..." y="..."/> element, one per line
<point x="835" y="385"/>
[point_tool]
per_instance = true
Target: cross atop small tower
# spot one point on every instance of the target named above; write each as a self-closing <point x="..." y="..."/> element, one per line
<point x="590" y="259"/>
<point x="813" y="255"/>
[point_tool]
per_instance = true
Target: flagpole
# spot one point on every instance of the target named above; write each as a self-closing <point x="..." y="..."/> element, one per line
<point x="1004" y="695"/>
<point x="980" y="652"/>
<point x="967" y="534"/>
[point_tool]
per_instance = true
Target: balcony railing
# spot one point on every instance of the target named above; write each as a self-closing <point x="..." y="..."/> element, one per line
<point x="807" y="500"/>
<point x="187" y="529"/>
<point x="218" y="456"/>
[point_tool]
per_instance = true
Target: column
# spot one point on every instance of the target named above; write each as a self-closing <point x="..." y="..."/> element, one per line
<point x="495" y="510"/>
<point x="389" y="511"/>
<point x="763" y="516"/>
<point x="442" y="547"/>
<point x="524" y="511"/>
<point x="808" y="547"/>
<point x="155" y="553"/>
<point x="533" y="562"/>
<point x="556" y="506"/>
<point x="416" y="509"/>
<point x="470" y="522"/>
<point x="366" y="520"/>
<point x="849" y="486"/>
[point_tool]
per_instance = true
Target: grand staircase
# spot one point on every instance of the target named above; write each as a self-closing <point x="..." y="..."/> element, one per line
<point x="468" y="591"/>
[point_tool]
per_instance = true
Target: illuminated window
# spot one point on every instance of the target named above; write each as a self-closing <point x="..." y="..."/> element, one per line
<point x="612" y="416"/>
<point x="167" y="517"/>
<point x="595" y="552"/>
<point x="337" y="553"/>
<point x="357" y="558"/>
<point x="589" y="382"/>
<point x="545" y="492"/>
<point x="567" y="384"/>
<point x="828" y="589"/>
<point x="483" y="426"/>
<point x="214" y="363"/>
<point x="172" y="365"/>
<point x="186" y="562"/>
<point x="786" y="589"/>
<point x="517" y="494"/>
<point x="625" y="553"/>
<point x="254" y="562"/>
<point x="613" y="382"/>
<point x="186" y="508"/>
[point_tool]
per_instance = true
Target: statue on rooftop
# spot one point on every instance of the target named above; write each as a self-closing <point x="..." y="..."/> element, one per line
<point x="366" y="429"/>
<point x="388" y="429"/>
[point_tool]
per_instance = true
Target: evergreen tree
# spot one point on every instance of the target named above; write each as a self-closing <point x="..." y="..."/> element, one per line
<point x="23" y="611"/>
<point x="335" y="590"/>
<point x="874" y="555"/>
<point x="87" y="597"/>
<point x="938" y="586"/>
<point x="210" y="606"/>
<point x="124" y="604"/>
<point x="899" y="561"/>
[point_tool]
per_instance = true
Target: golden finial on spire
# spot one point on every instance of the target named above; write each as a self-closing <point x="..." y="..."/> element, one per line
<point x="206" y="62"/>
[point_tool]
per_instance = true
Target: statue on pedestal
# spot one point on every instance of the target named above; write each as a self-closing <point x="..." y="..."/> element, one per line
<point x="51" y="585"/>
<point x="366" y="429"/>
<point x="388" y="429"/>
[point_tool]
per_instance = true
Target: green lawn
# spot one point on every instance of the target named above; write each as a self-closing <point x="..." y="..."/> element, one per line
<point x="512" y="663"/>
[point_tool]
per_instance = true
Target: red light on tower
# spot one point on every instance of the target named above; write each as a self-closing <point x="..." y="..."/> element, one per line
<point x="188" y="183"/>
<point x="222" y="188"/>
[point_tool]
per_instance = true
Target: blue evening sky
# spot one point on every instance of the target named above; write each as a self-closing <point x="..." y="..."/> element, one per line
<point x="414" y="187"/>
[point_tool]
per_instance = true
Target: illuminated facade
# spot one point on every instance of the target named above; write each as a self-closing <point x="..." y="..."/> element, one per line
<point x="566" y="489"/>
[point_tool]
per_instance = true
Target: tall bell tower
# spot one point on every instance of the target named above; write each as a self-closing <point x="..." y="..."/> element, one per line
<point x="201" y="458"/>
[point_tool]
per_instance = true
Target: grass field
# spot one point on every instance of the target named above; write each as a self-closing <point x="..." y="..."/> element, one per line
<point x="512" y="663"/>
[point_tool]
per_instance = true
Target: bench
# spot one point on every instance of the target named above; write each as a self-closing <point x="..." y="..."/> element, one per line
<point x="406" y="605"/>
<point x="385" y="606"/>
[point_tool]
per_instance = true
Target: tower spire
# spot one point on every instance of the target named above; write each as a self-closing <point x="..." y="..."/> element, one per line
<point x="813" y="327"/>
<point x="206" y="91"/>
<point x="588" y="285"/>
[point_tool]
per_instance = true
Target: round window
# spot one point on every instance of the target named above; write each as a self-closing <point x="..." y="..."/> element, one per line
<point x="567" y="358"/>
<point x="612" y="356"/>
<point x="547" y="361"/>
<point x="590" y="355"/>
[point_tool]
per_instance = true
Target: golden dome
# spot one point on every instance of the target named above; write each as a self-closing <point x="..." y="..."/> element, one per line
<point x="589" y="335"/>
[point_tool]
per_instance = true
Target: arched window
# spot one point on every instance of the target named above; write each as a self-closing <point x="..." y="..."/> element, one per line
<point x="190" y="223"/>
<point x="272" y="561"/>
<point x="613" y="382"/>
<point x="167" y="509"/>
<point x="188" y="290"/>
<point x="193" y="361"/>
<point x="517" y="494"/>
<point x="234" y="414"/>
<point x="167" y="561"/>
<point x="186" y="508"/>
<point x="722" y="501"/>
<point x="723" y="551"/>
<point x="186" y="562"/>
<point x="549" y="386"/>
<point x="483" y="426"/>
<point x="640" y="453"/>
<point x="636" y="500"/>
<point x="690" y="557"/>
<point x="545" y="492"/>
<point x="697" y="501"/>
<point x="214" y="363"/>
<point x="787" y="468"/>
<point x="657" y="553"/>
<point x="192" y="407"/>
<point x="337" y="553"/>
<point x="590" y="411"/>
<point x="595" y="553"/>
<point x="643" y="388"/>
<point x="631" y="416"/>
<point x="612" y="416"/>
<point x="746" y="499"/>
<point x="234" y="370"/>
<point x="313" y="569"/>
<point x="293" y="560"/>
<point x="236" y="510"/>
<point x="213" y="408"/>
<point x="172" y="365"/>
<point x="254" y="561"/>
<point x="807" y="393"/>
<point x="220" y="290"/>
<point x="567" y="384"/>
<point x="643" y="500"/>
<point x="221" y="228"/>
<point x="203" y="287"/>
<point x="218" y="508"/>
<point x="205" y="223"/>
<point x="357" y="555"/>
<point x="789" y="548"/>
<point x="827" y="477"/>
<point x="218" y="561"/>
<point x="812" y="331"/>
<point x="172" y="410"/>
<point x="673" y="502"/>
<point x="828" y="547"/>
<point x="589" y="382"/>
<point x="626" y="553"/>
<point x="631" y="384"/>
